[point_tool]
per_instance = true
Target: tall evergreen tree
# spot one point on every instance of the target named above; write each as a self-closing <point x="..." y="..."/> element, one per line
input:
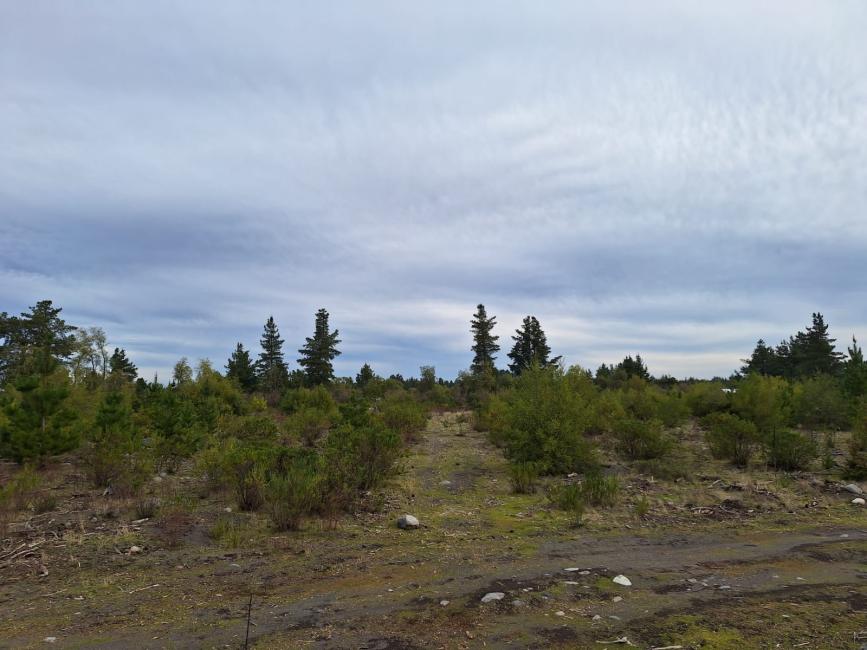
<point x="271" y="369"/>
<point x="40" y="329"/>
<point x="121" y="366"/>
<point x="364" y="376"/>
<point x="484" y="342"/>
<point x="855" y="371"/>
<point x="240" y="367"/>
<point x="319" y="351"/>
<point x="763" y="360"/>
<point x="531" y="347"/>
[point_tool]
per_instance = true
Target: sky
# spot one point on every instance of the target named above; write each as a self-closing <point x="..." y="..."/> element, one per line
<point x="675" y="179"/>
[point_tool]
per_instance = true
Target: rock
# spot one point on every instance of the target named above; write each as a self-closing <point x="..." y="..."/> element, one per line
<point x="617" y="599"/>
<point x="494" y="595"/>
<point x="622" y="580"/>
<point x="858" y="501"/>
<point x="518" y="603"/>
<point x="443" y="603"/>
<point x="572" y="569"/>
<point x="407" y="521"/>
<point x="445" y="482"/>
<point x="134" y="549"/>
<point x="158" y="479"/>
<point x="596" y="617"/>
<point x="853" y="488"/>
<point x="50" y="639"/>
<point x="560" y="613"/>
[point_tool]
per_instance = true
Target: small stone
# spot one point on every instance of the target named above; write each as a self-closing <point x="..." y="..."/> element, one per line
<point x="50" y="639"/>
<point x="407" y="522"/>
<point x="227" y="509"/>
<point x="596" y="617"/>
<point x="518" y="603"/>
<point x="492" y="596"/>
<point x="134" y="549"/>
<point x="572" y="569"/>
<point x="445" y="482"/>
<point x="725" y="586"/>
<point x="853" y="488"/>
<point x="158" y="479"/>
<point x="858" y="501"/>
<point x="622" y="580"/>
<point x="583" y="573"/>
<point x="560" y="613"/>
<point x="617" y="599"/>
<point x="443" y="603"/>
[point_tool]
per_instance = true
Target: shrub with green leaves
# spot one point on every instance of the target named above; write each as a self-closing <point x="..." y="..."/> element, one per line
<point x="856" y="466"/>
<point x="544" y="421"/>
<point x="642" y="439"/>
<point x="570" y="499"/>
<point x="523" y="477"/>
<point x="790" y="450"/>
<point x="730" y="437"/>
<point x="706" y="397"/>
<point x="292" y="494"/>
<point x="403" y="415"/>
<point x="600" y="490"/>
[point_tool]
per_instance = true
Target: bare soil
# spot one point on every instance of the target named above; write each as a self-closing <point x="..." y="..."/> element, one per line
<point x="727" y="559"/>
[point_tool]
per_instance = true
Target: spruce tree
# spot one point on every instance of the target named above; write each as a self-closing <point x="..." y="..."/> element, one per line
<point x="484" y="342"/>
<point x="319" y="351"/>
<point x="22" y="336"/>
<point x="531" y="347"/>
<point x="240" y="368"/>
<point x="763" y="360"/>
<point x="855" y="372"/>
<point x="270" y="368"/>
<point x="121" y="366"/>
<point x="364" y="376"/>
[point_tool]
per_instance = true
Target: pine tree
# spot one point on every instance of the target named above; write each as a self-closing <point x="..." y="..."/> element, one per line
<point x="22" y="336"/>
<point x="121" y="366"/>
<point x="39" y="424"/>
<point x="484" y="342"/>
<point x="763" y="360"/>
<point x="319" y="351"/>
<point x="531" y="347"/>
<point x="634" y="367"/>
<point x="270" y="368"/>
<point x="240" y="368"/>
<point x="364" y="376"/>
<point x="855" y="372"/>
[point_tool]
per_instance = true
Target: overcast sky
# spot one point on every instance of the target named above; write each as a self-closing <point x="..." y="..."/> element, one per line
<point x="666" y="178"/>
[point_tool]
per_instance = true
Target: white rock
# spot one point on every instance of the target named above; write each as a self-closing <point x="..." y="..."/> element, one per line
<point x="622" y="580"/>
<point x="134" y="549"/>
<point x="596" y="617"/>
<point x="444" y="602"/>
<point x="560" y="613"/>
<point x="50" y="639"/>
<point x="494" y="595"/>
<point x="572" y="569"/>
<point x="853" y="488"/>
<point x="517" y="603"/>
<point x="858" y="501"/>
<point x="407" y="521"/>
<point x="617" y="599"/>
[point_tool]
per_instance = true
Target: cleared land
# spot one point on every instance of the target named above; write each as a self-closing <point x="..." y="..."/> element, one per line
<point x="723" y="559"/>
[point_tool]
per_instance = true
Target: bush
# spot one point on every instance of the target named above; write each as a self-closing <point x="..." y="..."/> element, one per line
<point x="309" y="424"/>
<point x="292" y="495"/>
<point x="403" y="415"/>
<point x="856" y="467"/>
<point x="570" y="499"/>
<point x="599" y="490"/>
<point x="706" y="397"/>
<point x="730" y="437"/>
<point x="365" y="456"/>
<point x="818" y="402"/>
<point x="642" y="507"/>
<point x="228" y="531"/>
<point x="523" y="477"/>
<point x="642" y="440"/>
<point x="146" y="508"/>
<point x="790" y="450"/>
<point x="544" y="423"/>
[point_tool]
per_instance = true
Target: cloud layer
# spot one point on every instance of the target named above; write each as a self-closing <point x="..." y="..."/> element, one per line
<point x="672" y="179"/>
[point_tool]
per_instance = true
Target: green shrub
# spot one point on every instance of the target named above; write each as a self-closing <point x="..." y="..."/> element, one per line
<point x="292" y="494"/>
<point x="523" y="477"/>
<point x="403" y="415"/>
<point x="730" y="437"/>
<point x="706" y="397"/>
<point x="228" y="531"/>
<point x="599" y="490"/>
<point x="790" y="450"/>
<point x="570" y="499"/>
<point x="544" y="422"/>
<point x="363" y="456"/>
<point x="818" y="402"/>
<point x="642" y="507"/>
<point x="642" y="439"/>
<point x="310" y="424"/>
<point x="856" y="466"/>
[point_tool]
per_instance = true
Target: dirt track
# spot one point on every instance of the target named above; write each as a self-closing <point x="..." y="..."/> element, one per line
<point x="781" y="577"/>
